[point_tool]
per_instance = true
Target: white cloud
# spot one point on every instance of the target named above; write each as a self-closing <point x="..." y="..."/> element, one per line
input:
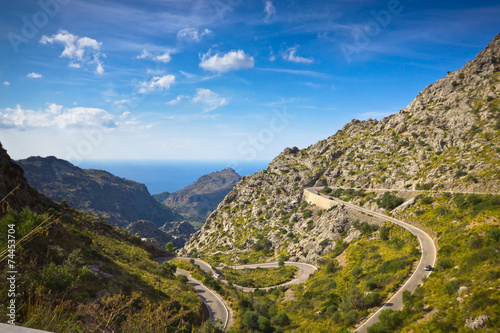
<point x="272" y="57"/>
<point x="53" y="108"/>
<point x="230" y="61"/>
<point x="34" y="75"/>
<point x="177" y="100"/>
<point x="157" y="83"/>
<point x="6" y="83"/>
<point x="269" y="9"/>
<point x="313" y="85"/>
<point x="55" y="116"/>
<point x="164" y="57"/>
<point x="208" y="99"/>
<point x="144" y="55"/>
<point x="291" y="55"/>
<point x="80" y="50"/>
<point x="192" y="34"/>
<point x="297" y="72"/>
<point x="188" y="75"/>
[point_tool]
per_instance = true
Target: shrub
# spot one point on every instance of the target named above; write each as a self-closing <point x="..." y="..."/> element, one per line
<point x="250" y="320"/>
<point x="373" y="299"/>
<point x="166" y="270"/>
<point x="351" y="317"/>
<point x="326" y="190"/>
<point x="170" y="247"/>
<point x="263" y="244"/>
<point x="494" y="234"/>
<point x="389" y="322"/>
<point x="182" y="278"/>
<point x="357" y="271"/>
<point x="281" y="319"/>
<point x="372" y="285"/>
<point x="426" y="200"/>
<point x="389" y="201"/>
<point x="384" y="233"/>
<point x="475" y="243"/>
<point x="444" y="263"/>
<point x="474" y="199"/>
<point x="307" y="213"/>
<point x="451" y="287"/>
<point x="57" y="278"/>
<point x="425" y="187"/>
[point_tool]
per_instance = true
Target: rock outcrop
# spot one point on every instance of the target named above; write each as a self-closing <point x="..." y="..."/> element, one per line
<point x="15" y="191"/>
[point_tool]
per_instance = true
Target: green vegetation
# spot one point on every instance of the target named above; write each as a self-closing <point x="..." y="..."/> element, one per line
<point x="81" y="274"/>
<point x="468" y="256"/>
<point x="389" y="201"/>
<point x="259" y="277"/>
<point x="335" y="297"/>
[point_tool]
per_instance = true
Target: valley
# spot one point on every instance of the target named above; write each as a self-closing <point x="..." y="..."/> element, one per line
<point x="388" y="225"/>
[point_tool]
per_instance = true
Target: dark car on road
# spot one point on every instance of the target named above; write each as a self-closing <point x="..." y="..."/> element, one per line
<point x="428" y="268"/>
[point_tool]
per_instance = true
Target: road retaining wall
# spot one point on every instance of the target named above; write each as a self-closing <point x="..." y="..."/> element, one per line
<point x="320" y="201"/>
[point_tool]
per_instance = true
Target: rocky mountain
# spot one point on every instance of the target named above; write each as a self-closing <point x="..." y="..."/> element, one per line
<point x="196" y="201"/>
<point x="97" y="192"/>
<point x="447" y="138"/>
<point x="16" y="191"/>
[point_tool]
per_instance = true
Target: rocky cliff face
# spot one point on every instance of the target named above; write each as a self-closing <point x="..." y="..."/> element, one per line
<point x="97" y="192"/>
<point x="447" y="138"/>
<point x="196" y="201"/>
<point x="11" y="177"/>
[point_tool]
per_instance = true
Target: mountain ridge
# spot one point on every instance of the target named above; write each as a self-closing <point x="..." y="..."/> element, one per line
<point x="196" y="201"/>
<point x="120" y="201"/>
<point x="446" y="138"/>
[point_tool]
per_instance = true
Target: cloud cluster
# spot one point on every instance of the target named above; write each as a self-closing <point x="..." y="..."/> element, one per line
<point x="34" y="75"/>
<point x="80" y="50"/>
<point x="291" y="55"/>
<point x="6" y="83"/>
<point x="164" y="57"/>
<point x="56" y="116"/>
<point x="208" y="100"/>
<point x="157" y="83"/>
<point x="192" y="34"/>
<point x="222" y="63"/>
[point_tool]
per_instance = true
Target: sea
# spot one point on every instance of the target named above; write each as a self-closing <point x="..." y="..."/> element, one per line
<point x="170" y="176"/>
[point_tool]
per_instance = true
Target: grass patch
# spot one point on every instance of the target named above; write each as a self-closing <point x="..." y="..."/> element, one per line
<point x="259" y="277"/>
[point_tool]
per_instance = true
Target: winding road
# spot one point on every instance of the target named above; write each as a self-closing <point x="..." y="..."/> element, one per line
<point x="427" y="247"/>
<point x="217" y="309"/>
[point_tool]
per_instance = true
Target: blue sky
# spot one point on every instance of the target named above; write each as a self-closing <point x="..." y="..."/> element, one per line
<point x="218" y="79"/>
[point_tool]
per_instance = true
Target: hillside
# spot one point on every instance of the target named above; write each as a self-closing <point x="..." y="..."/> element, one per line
<point x="78" y="273"/>
<point x="96" y="192"/>
<point x="426" y="161"/>
<point x="196" y="201"/>
<point x="11" y="176"/>
<point x="447" y="138"/>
